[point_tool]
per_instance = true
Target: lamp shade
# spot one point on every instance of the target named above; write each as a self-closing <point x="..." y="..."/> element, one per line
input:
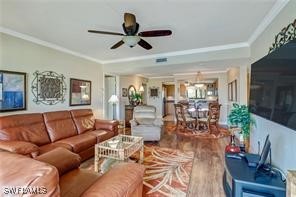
<point x="141" y="89"/>
<point x="113" y="99"/>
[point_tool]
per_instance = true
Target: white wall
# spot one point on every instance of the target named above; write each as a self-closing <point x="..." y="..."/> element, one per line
<point x="283" y="140"/>
<point x="157" y="102"/>
<point x="125" y="82"/>
<point x="24" y="56"/>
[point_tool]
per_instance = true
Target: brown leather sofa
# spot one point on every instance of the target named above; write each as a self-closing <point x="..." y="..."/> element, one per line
<point x="35" y="134"/>
<point x="56" y="173"/>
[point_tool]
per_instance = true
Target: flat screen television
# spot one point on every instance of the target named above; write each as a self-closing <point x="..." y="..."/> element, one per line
<point x="273" y="86"/>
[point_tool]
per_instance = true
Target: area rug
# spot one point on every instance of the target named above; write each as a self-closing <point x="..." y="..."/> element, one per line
<point x="167" y="171"/>
<point x="215" y="133"/>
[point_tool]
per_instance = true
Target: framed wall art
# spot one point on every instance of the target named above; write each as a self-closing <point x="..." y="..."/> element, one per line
<point x="48" y="88"/>
<point x="12" y="91"/>
<point x="80" y="92"/>
<point x="154" y="92"/>
<point x="124" y="92"/>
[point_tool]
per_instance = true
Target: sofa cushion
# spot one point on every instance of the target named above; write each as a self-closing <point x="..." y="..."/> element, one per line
<point x="20" y="147"/>
<point x="80" y="142"/>
<point x="61" y="158"/>
<point x="59" y="125"/>
<point x="145" y="121"/>
<point x="24" y="127"/>
<point x="101" y="135"/>
<point x="84" y="120"/>
<point x="49" y="147"/>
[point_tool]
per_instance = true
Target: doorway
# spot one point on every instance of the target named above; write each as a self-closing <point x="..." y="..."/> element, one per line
<point x="110" y="89"/>
<point x="168" y="101"/>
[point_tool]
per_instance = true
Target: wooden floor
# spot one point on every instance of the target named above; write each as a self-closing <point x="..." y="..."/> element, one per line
<point x="208" y="165"/>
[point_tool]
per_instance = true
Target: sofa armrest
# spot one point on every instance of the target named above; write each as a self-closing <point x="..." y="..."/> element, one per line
<point x="109" y="125"/>
<point x="61" y="158"/>
<point x="20" y="147"/>
<point x="133" y="123"/>
<point x="20" y="171"/>
<point x="158" y="122"/>
<point x="125" y="179"/>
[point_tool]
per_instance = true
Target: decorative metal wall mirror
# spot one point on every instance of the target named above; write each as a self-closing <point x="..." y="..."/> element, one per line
<point x="48" y="87"/>
<point x="12" y="91"/>
<point x="80" y="92"/>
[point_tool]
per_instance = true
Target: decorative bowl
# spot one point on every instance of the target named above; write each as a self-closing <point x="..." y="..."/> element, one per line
<point x="113" y="143"/>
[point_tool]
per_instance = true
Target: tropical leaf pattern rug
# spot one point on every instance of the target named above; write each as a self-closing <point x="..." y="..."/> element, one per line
<point x="167" y="172"/>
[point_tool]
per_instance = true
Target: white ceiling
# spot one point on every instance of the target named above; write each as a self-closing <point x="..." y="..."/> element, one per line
<point x="198" y="26"/>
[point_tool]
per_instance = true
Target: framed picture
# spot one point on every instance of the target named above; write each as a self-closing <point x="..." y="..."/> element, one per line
<point x="80" y="92"/>
<point x="124" y="92"/>
<point x="154" y="92"/>
<point x="12" y="91"/>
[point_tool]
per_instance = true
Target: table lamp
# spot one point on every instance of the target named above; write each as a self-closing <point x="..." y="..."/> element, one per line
<point x="113" y="100"/>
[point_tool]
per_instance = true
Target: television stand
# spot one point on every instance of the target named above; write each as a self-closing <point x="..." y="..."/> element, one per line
<point x="239" y="180"/>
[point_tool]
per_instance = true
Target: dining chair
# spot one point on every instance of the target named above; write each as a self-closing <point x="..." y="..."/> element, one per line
<point x="188" y="121"/>
<point x="212" y="118"/>
<point x="178" y="114"/>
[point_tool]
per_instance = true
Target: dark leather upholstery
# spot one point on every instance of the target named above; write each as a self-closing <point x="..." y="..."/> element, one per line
<point x="123" y="180"/>
<point x="101" y="135"/>
<point x="20" y="147"/>
<point x="20" y="171"/>
<point x="48" y="147"/>
<point x="24" y="127"/>
<point x="84" y="120"/>
<point x="54" y="129"/>
<point x="107" y="125"/>
<point x="80" y="142"/>
<point x="59" y="125"/>
<point x="128" y="181"/>
<point x="61" y="158"/>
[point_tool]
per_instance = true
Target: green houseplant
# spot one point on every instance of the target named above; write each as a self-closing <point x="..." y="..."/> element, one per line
<point x="240" y="116"/>
<point x="136" y="98"/>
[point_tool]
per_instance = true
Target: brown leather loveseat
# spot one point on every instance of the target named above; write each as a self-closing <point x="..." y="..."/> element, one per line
<point x="38" y="133"/>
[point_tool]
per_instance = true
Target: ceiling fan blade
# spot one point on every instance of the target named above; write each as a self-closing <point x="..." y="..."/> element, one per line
<point x="106" y="32"/>
<point x="129" y="20"/>
<point x="118" y="44"/>
<point x="145" y="44"/>
<point x="155" y="33"/>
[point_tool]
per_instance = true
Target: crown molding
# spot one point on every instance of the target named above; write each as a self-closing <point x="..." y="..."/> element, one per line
<point x="275" y="10"/>
<point x="46" y="44"/>
<point x="180" y="53"/>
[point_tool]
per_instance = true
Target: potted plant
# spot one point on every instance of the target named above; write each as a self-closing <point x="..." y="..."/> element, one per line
<point x="240" y="116"/>
<point x="136" y="98"/>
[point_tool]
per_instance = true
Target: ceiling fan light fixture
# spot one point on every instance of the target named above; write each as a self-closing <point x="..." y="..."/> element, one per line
<point x="131" y="41"/>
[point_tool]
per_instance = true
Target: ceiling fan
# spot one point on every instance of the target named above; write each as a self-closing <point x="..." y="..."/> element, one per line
<point x="131" y="38"/>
